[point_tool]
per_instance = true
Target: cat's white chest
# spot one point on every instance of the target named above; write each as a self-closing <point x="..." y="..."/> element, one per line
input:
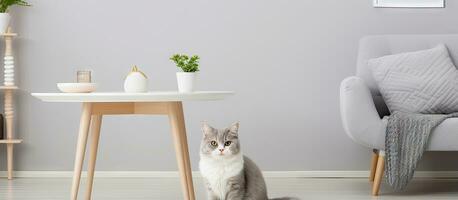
<point x="218" y="171"/>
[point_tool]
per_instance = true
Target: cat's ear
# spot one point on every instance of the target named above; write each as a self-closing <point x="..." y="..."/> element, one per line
<point x="206" y="129"/>
<point x="234" y="128"/>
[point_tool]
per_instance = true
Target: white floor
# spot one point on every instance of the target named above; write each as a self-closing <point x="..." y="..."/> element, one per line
<point x="169" y="188"/>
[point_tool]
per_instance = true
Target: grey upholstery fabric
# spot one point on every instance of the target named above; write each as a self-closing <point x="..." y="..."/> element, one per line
<point x="359" y="116"/>
<point x="407" y="136"/>
<point x="362" y="123"/>
<point x="423" y="81"/>
<point x="360" y="101"/>
<point x="382" y="45"/>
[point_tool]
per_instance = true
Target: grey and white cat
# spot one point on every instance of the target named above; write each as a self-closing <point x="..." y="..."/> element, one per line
<point x="228" y="174"/>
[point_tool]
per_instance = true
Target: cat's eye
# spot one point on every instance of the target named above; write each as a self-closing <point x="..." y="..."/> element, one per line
<point x="213" y="143"/>
<point x="227" y="143"/>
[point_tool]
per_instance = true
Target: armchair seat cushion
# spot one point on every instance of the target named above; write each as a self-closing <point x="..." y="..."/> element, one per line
<point x="363" y="124"/>
<point x="443" y="138"/>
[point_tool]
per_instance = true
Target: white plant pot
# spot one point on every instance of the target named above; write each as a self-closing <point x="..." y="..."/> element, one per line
<point x="4" y="22"/>
<point x="186" y="81"/>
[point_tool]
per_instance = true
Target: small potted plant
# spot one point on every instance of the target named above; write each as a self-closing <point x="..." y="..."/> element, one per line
<point x="4" y="15"/>
<point x="190" y="66"/>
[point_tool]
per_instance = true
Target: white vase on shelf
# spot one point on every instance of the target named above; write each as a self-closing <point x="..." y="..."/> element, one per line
<point x="136" y="81"/>
<point x="4" y="22"/>
<point x="9" y="71"/>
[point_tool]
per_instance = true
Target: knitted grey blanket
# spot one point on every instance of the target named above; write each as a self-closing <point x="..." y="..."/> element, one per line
<point x="406" y="139"/>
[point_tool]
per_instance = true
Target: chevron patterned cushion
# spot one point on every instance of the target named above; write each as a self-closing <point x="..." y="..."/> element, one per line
<point x="418" y="82"/>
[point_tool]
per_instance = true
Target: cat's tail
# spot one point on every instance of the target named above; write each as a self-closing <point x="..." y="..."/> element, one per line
<point x="285" y="198"/>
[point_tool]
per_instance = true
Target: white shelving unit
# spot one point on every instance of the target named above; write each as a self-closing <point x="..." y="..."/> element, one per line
<point x="8" y="89"/>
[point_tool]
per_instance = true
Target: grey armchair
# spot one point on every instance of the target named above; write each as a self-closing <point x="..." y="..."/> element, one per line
<point x="362" y="106"/>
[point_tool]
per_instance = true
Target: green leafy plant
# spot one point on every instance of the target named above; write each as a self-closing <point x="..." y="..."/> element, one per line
<point x="186" y="63"/>
<point x="5" y="4"/>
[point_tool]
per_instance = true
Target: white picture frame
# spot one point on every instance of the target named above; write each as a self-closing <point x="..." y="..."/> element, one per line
<point x="409" y="3"/>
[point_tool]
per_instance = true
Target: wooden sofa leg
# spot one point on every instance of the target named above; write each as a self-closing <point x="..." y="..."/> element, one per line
<point x="378" y="173"/>
<point x="373" y="165"/>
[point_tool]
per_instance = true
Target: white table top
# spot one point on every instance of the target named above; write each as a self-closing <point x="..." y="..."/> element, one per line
<point x="159" y="96"/>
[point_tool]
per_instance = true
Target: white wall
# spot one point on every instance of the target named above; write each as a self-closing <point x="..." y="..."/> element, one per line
<point x="285" y="59"/>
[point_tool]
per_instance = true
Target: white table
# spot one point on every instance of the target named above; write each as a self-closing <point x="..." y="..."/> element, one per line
<point x="95" y="105"/>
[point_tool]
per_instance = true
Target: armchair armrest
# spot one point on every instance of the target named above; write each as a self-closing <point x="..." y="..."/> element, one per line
<point x="359" y="116"/>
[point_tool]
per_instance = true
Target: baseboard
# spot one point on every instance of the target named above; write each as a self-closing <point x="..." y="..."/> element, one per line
<point x="269" y="174"/>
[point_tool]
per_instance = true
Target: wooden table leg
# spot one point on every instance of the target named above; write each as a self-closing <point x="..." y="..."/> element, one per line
<point x="95" y="135"/>
<point x="81" y="148"/>
<point x="176" y="118"/>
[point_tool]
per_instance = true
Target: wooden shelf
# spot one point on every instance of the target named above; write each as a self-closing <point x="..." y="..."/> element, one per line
<point x="9" y="34"/>
<point x="8" y="103"/>
<point x="10" y="141"/>
<point x="5" y="87"/>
